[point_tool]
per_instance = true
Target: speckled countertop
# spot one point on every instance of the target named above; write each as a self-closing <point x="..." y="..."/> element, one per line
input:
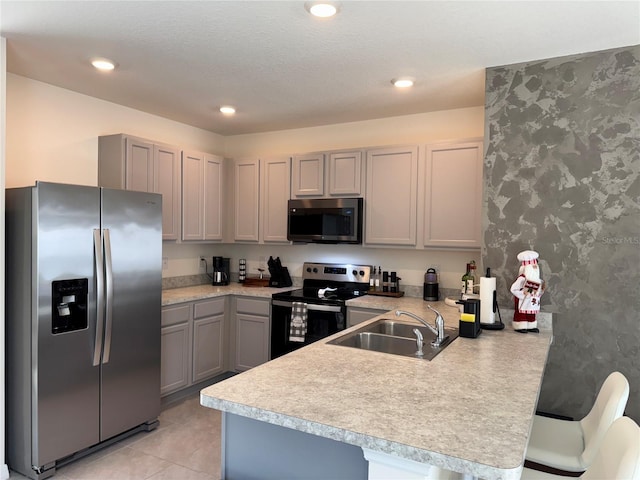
<point x="467" y="410"/>
<point x="200" y="292"/>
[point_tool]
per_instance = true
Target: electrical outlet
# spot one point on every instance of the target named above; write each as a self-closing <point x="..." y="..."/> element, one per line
<point x="165" y="263"/>
<point x="203" y="263"/>
<point x="263" y="262"/>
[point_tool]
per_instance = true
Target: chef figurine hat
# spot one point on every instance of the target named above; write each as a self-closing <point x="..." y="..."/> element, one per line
<point x="528" y="257"/>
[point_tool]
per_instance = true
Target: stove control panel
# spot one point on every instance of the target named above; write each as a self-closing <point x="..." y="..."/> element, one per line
<point x="336" y="272"/>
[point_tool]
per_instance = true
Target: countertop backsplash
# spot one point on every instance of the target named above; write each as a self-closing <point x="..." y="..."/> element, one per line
<point x="203" y="279"/>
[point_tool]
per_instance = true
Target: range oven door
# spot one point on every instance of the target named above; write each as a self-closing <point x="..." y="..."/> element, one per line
<point x="322" y="321"/>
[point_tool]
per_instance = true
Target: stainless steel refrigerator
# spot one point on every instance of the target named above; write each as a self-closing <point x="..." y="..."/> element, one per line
<point x="83" y="300"/>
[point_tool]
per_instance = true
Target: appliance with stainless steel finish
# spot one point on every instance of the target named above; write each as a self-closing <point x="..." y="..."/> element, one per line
<point x="325" y="289"/>
<point x="325" y="220"/>
<point x="83" y="299"/>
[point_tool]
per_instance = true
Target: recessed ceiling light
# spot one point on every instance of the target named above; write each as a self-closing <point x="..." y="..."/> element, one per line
<point x="402" y="82"/>
<point x="227" y="110"/>
<point x="103" y="64"/>
<point x="321" y="9"/>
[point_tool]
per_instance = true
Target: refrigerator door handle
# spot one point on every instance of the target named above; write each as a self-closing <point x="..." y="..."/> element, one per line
<point x="97" y="246"/>
<point x="109" y="294"/>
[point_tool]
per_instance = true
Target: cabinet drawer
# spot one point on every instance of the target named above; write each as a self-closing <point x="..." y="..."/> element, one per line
<point x="209" y="308"/>
<point x="174" y="315"/>
<point x="254" y="306"/>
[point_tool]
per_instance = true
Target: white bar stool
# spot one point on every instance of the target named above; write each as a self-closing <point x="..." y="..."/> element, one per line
<point x="572" y="445"/>
<point x="618" y="457"/>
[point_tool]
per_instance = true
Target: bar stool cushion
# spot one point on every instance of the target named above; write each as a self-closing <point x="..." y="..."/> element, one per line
<point x="618" y="457"/>
<point x="556" y="443"/>
<point x="572" y="445"/>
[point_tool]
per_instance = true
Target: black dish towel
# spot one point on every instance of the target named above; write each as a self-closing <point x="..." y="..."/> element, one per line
<point x="298" y="328"/>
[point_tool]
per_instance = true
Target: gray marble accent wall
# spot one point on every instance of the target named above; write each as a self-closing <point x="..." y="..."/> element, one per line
<point x="562" y="177"/>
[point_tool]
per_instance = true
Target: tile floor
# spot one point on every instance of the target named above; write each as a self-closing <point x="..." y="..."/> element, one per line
<point x="186" y="446"/>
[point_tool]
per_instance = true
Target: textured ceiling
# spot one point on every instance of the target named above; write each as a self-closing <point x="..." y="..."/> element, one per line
<point x="283" y="68"/>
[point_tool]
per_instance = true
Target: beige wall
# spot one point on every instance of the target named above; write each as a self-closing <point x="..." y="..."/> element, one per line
<point x="52" y="133"/>
<point x="420" y="128"/>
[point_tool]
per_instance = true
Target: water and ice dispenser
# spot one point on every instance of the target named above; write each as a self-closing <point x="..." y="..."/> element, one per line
<point x="69" y="305"/>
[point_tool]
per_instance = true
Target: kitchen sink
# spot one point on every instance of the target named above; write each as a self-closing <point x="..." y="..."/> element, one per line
<point x="397" y="338"/>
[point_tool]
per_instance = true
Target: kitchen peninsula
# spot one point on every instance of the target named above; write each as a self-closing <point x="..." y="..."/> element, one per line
<point x="469" y="410"/>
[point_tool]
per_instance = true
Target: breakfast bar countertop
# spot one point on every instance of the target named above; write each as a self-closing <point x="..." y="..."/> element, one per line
<point x="468" y="410"/>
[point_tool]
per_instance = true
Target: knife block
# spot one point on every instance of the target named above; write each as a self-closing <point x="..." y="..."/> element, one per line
<point x="280" y="277"/>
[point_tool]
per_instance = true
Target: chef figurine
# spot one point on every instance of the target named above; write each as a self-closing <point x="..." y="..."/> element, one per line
<point x="527" y="290"/>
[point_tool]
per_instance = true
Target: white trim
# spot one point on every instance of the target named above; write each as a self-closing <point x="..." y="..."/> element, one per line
<point x="383" y="466"/>
<point x="4" y="470"/>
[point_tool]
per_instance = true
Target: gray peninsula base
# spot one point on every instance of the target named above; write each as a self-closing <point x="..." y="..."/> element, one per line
<point x="253" y="449"/>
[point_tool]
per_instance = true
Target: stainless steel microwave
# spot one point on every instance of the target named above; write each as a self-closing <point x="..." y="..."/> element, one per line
<point x="325" y="220"/>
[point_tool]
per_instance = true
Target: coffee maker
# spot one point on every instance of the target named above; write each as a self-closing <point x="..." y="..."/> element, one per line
<point x="220" y="274"/>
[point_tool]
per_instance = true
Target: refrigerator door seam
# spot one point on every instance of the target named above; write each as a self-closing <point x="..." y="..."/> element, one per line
<point x="109" y="294"/>
<point x="97" y="349"/>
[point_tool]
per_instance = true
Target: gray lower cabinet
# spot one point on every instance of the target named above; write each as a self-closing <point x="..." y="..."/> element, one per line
<point x="208" y="339"/>
<point x="357" y="315"/>
<point x="176" y="357"/>
<point x="193" y="343"/>
<point x="251" y="328"/>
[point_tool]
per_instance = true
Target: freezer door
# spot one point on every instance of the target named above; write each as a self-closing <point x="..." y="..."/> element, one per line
<point x="132" y="229"/>
<point x="65" y="388"/>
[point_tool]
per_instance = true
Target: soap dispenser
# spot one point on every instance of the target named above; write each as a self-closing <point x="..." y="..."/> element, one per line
<point x="469" y="326"/>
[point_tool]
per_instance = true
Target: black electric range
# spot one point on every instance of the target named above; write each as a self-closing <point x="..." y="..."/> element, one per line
<point x="325" y="289"/>
<point x="326" y="283"/>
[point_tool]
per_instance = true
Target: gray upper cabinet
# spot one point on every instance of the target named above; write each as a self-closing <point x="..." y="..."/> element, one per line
<point x="246" y="182"/>
<point x="345" y="173"/>
<point x="391" y="196"/>
<point x="453" y="195"/>
<point x="202" y="196"/>
<point x="328" y="174"/>
<point x="307" y="175"/>
<point x="132" y="163"/>
<point x="213" y="197"/>
<point x="261" y="193"/>
<point x="274" y="194"/>
<point x="166" y="180"/>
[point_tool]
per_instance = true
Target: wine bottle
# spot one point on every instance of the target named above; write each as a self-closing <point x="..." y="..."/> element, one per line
<point x="471" y="279"/>
<point x="465" y="277"/>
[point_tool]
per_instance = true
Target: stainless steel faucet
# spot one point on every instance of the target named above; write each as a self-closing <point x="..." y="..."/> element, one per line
<point x="438" y="330"/>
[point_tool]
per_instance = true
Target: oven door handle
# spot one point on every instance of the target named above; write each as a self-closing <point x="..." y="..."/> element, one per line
<point x="310" y="306"/>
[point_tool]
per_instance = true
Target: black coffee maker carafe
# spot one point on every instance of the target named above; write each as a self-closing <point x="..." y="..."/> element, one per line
<point x="220" y="274"/>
